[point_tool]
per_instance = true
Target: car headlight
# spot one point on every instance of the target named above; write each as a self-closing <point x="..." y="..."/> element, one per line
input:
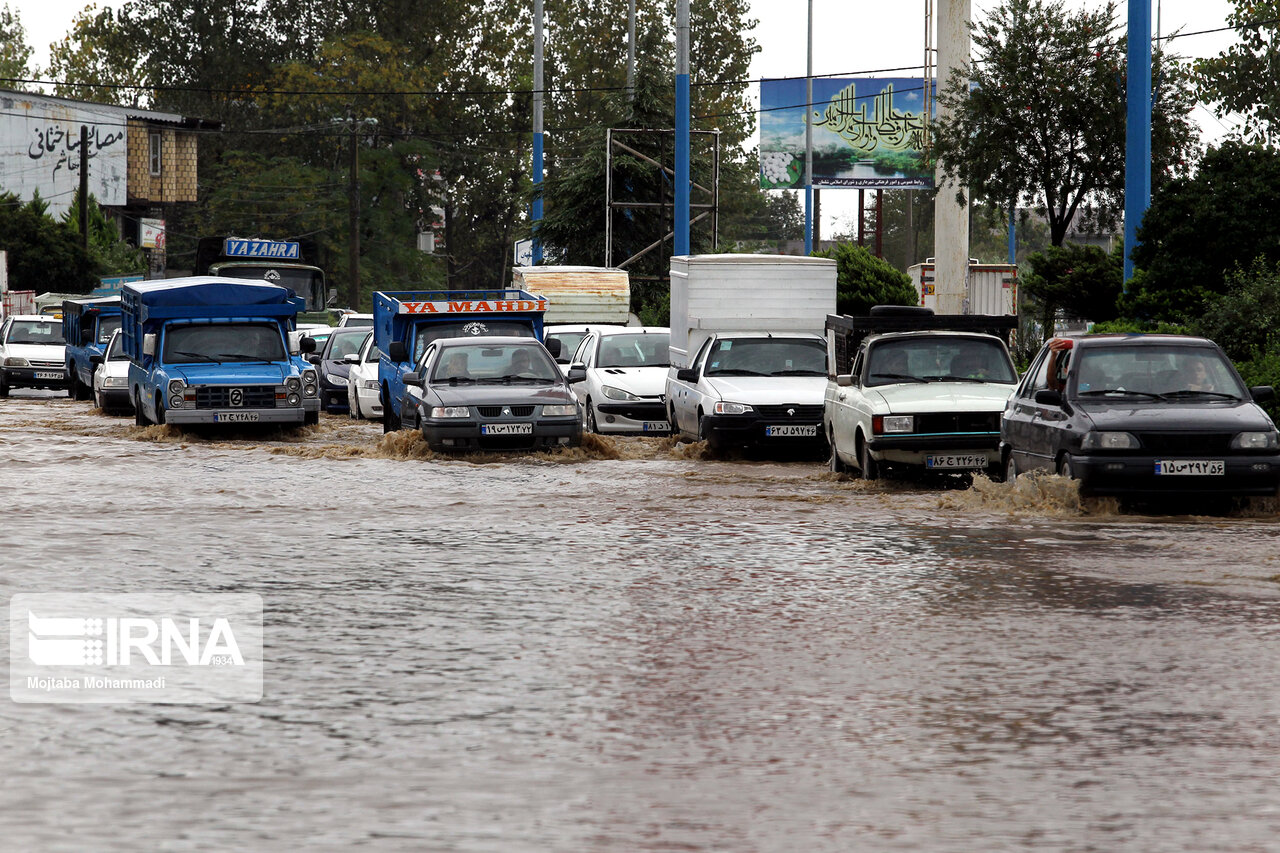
<point x="115" y="381"/>
<point x="369" y="385"/>
<point x="15" y="361"/>
<point x="293" y="383"/>
<point x="175" y="387"/>
<point x="617" y="393"/>
<point x="309" y="376"/>
<point x="886" y="424"/>
<point x="450" y="412"/>
<point x="559" y="411"/>
<point x="1255" y="441"/>
<point x="176" y="401"/>
<point x="723" y="408"/>
<point x="1109" y="441"/>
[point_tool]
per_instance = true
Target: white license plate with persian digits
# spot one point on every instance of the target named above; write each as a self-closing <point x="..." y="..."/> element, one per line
<point x="655" y="426"/>
<point x="792" y="430"/>
<point x="956" y="460"/>
<point x="506" y="429"/>
<point x="235" y="417"/>
<point x="49" y="374"/>
<point x="1191" y="468"/>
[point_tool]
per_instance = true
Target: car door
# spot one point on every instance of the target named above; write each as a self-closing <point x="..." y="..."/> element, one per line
<point x="581" y="356"/>
<point x="684" y="395"/>
<point x="843" y="411"/>
<point x="1045" y="420"/>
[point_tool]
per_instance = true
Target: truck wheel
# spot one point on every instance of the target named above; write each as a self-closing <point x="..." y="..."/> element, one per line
<point x="870" y="469"/>
<point x="591" y="417"/>
<point x="159" y="410"/>
<point x="4" y="388"/>
<point x="310" y="418"/>
<point x="80" y="391"/>
<point x="139" y="416"/>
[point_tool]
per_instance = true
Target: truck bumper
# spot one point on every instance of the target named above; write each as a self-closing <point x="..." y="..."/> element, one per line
<point x="914" y="449"/>
<point x="752" y="429"/>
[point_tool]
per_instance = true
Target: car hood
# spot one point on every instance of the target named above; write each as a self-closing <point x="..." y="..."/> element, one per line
<point x="641" y="381"/>
<point x="502" y="395"/>
<point x="38" y="352"/>
<point x="769" y="390"/>
<point x="364" y="370"/>
<point x="115" y="367"/>
<point x="339" y="369"/>
<point x="229" y="374"/>
<point x="917" y="397"/>
<point x="1201" y="416"/>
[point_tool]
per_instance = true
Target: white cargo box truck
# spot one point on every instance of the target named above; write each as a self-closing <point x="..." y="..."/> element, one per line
<point x="747" y="293"/>
<point x="588" y="295"/>
<point x="992" y="289"/>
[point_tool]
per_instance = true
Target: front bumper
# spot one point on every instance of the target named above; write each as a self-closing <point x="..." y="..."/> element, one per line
<point x="333" y="397"/>
<point x="116" y="398"/>
<point x="465" y="435"/>
<point x="369" y="401"/>
<point x="754" y="429"/>
<point x="914" y="449"/>
<point x="242" y="417"/>
<point x="36" y="377"/>
<point x="632" y="417"/>
<point x="1244" y="475"/>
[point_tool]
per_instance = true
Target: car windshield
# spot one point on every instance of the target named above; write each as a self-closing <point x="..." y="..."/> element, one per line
<point x="569" y="341"/>
<point x="342" y="344"/>
<point x="36" y="332"/>
<point x="1154" y="371"/>
<point x="223" y="342"/>
<point x="357" y="322"/>
<point x="767" y="357"/>
<point x="373" y="354"/>
<point x="428" y="332"/>
<point x="647" y="350"/>
<point x="939" y="358"/>
<point x="492" y="364"/>
<point x="107" y="326"/>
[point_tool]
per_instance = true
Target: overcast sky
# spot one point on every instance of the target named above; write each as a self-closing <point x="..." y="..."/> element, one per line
<point x="851" y="37"/>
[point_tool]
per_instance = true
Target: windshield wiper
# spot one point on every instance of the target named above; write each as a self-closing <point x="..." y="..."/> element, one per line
<point x="244" y="357"/>
<point x="1187" y="392"/>
<point x="905" y="377"/>
<point x="458" y="380"/>
<point x="799" y="372"/>
<point x="735" y="371"/>
<point x="1101" y="391"/>
<point x="200" y="355"/>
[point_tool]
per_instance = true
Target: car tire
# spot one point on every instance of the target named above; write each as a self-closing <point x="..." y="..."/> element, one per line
<point x="671" y="419"/>
<point x="834" y="462"/>
<point x="1065" y="468"/>
<point x="4" y="388"/>
<point x="714" y="443"/>
<point x="1010" y="468"/>
<point x="97" y="400"/>
<point x="592" y="426"/>
<point x="867" y="466"/>
<point x="310" y="418"/>
<point x="389" y="421"/>
<point x="82" y="391"/>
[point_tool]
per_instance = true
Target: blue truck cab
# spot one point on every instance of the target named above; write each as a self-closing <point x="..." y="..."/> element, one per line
<point x="405" y="323"/>
<point x="87" y="325"/>
<point x="211" y="350"/>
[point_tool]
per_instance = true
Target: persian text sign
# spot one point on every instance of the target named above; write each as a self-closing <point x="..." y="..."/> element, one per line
<point x="868" y="133"/>
<point x="144" y="647"/>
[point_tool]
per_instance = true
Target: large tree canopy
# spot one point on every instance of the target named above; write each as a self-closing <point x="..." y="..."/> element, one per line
<point x="1043" y="123"/>
<point x="1242" y="79"/>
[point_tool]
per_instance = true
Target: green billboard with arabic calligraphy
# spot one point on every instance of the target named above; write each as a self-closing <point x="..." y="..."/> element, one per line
<point x="868" y="133"/>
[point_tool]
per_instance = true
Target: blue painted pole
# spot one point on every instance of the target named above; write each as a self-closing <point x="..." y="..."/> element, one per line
<point x="681" y="238"/>
<point x="536" y="213"/>
<point x="808" y="144"/>
<point x="1137" y="160"/>
<point x="1013" y="233"/>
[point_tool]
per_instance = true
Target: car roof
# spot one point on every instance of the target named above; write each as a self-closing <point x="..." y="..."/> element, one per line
<point x="929" y="333"/>
<point x="638" y="330"/>
<point x="1134" y="340"/>
<point x="488" y="341"/>
<point x="585" y="327"/>
<point x="807" y="336"/>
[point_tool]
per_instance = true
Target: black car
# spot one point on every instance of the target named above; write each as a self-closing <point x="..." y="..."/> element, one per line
<point x="490" y="393"/>
<point x="333" y="366"/>
<point x="1142" y="415"/>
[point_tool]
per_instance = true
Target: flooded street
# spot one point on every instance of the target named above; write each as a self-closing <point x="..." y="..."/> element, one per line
<point x="629" y="647"/>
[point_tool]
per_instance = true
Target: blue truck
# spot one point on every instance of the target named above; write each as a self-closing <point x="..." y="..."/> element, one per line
<point x="87" y="325"/>
<point x="211" y="350"/>
<point x="405" y="323"/>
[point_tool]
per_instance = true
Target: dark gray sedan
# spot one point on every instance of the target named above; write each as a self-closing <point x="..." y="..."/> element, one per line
<point x="490" y="393"/>
<point x="1143" y="415"/>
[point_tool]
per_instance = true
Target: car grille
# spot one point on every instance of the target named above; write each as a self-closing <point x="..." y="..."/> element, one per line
<point x="958" y="422"/>
<point x="219" y="396"/>
<point x="46" y="364"/>
<point x="803" y="413"/>
<point x="1195" y="444"/>
<point x="496" y="411"/>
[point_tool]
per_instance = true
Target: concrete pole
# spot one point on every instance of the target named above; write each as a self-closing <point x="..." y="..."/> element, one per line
<point x="631" y="52"/>
<point x="681" y="235"/>
<point x="808" y="144"/>
<point x="1137" y="157"/>
<point x="536" y="213"/>
<point x="951" y="220"/>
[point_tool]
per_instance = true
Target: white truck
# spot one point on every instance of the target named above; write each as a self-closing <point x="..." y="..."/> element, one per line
<point x="578" y="299"/>
<point x="991" y="290"/>
<point x="748" y="359"/>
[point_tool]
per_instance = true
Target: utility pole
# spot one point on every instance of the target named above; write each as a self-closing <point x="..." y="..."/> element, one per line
<point x="353" y="207"/>
<point x="680" y="233"/>
<point x="536" y="213"/>
<point x="1137" y="159"/>
<point x="631" y="51"/>
<point x="808" y="143"/>
<point x="84" y="186"/>
<point x="951" y="218"/>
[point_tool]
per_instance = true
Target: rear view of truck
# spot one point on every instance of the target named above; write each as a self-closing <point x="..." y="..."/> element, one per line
<point x="87" y="325"/>
<point x="208" y="350"/>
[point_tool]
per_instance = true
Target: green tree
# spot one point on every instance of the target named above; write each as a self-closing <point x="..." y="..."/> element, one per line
<point x="98" y="61"/>
<point x="1043" y="123"/>
<point x="863" y="280"/>
<point x="44" y="255"/>
<point x="1241" y="79"/>
<point x="110" y="254"/>
<point x="15" y="53"/>
<point x="1081" y="281"/>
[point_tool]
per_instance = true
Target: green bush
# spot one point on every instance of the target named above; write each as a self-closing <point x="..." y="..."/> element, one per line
<point x="863" y="280"/>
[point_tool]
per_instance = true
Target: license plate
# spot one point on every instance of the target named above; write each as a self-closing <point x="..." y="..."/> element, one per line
<point x="1191" y="468"/>
<point x="506" y="429"/>
<point x="792" y="430"/>
<point x="235" y="417"/>
<point x="49" y="374"/>
<point x="655" y="426"/>
<point x="971" y="460"/>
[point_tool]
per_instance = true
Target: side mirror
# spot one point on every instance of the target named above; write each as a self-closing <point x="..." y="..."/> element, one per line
<point x="577" y="373"/>
<point x="149" y="344"/>
<point x="1262" y="393"/>
<point x="844" y="380"/>
<point x="687" y="374"/>
<point x="397" y="352"/>
<point x="352" y="358"/>
<point x="95" y="360"/>
<point x="314" y="359"/>
<point x="86" y="336"/>
<point x="307" y="345"/>
<point x="554" y="346"/>
<point x="1045" y="397"/>
<point x="411" y="377"/>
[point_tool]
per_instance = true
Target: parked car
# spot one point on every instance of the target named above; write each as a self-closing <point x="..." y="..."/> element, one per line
<point x="490" y="393"/>
<point x="927" y="400"/>
<point x="624" y="389"/>
<point x="32" y="353"/>
<point x="569" y="337"/>
<point x="1141" y="415"/>
<point x="318" y="332"/>
<point x="111" y="377"/>
<point x="363" y="397"/>
<point x="352" y="319"/>
<point x="333" y="367"/>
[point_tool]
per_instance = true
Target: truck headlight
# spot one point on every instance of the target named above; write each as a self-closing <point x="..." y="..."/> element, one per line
<point x="559" y="411"/>
<point x="176" y="401"/>
<point x="1095" y="440"/>
<point x="294" y="399"/>
<point x="309" y="376"/>
<point x="15" y="361"/>
<point x="450" y="412"/>
<point x="1255" y="441"/>
<point x="723" y="408"/>
<point x="175" y="387"/>
<point x="293" y="383"/>
<point x="616" y="393"/>
<point x="884" y="424"/>
<point x="309" y="390"/>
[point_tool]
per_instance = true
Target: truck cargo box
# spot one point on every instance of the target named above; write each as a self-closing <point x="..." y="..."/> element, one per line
<point x="992" y="288"/>
<point x="578" y="294"/>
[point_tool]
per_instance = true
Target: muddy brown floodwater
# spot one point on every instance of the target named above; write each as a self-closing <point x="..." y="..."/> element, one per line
<point x="630" y="647"/>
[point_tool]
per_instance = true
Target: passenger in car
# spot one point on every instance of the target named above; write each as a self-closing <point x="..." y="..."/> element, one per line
<point x="1198" y="376"/>
<point x="455" y="367"/>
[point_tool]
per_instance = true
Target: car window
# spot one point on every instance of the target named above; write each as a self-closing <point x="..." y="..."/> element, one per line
<point x="222" y="342"/>
<point x="569" y="342"/>
<point x="371" y="352"/>
<point x="767" y="357"/>
<point x="631" y="350"/>
<point x="502" y="363"/>
<point x="106" y="328"/>
<point x="340" y="345"/>
<point x="35" y="332"/>
<point x="939" y="358"/>
<point x="1165" y="371"/>
<point x="115" y="348"/>
<point x="702" y="354"/>
<point x="583" y="352"/>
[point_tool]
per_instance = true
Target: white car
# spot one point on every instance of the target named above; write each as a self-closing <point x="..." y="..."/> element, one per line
<point x="363" y="398"/>
<point x="925" y="400"/>
<point x="353" y="319"/>
<point x="570" y="336"/>
<point x="750" y="388"/>
<point x="318" y="332"/>
<point x="32" y="353"/>
<point x="626" y="376"/>
<point x="111" y="378"/>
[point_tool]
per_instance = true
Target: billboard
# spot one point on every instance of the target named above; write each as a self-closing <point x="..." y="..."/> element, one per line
<point x="868" y="133"/>
<point x="40" y="150"/>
